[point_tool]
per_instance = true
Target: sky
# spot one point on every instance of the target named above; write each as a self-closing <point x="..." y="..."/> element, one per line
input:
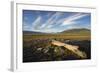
<point x="53" y="21"/>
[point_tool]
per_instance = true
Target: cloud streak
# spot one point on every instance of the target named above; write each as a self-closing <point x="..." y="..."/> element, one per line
<point x="55" y="22"/>
<point x="36" y="23"/>
<point x="72" y="19"/>
<point x="52" y="20"/>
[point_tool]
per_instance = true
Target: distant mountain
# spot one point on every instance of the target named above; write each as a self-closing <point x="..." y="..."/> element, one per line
<point x="76" y="30"/>
<point x="82" y="30"/>
<point x="32" y="32"/>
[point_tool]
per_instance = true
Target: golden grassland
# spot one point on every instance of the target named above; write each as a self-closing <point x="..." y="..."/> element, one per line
<point x="38" y="47"/>
<point x="58" y="36"/>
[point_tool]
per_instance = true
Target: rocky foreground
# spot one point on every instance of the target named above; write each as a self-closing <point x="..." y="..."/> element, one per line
<point x="46" y="50"/>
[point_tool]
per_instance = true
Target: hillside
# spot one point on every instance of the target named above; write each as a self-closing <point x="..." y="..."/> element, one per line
<point x="71" y="31"/>
<point x="77" y="30"/>
<point x="32" y="32"/>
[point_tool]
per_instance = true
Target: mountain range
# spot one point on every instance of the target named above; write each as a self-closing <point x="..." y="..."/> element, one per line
<point x="65" y="31"/>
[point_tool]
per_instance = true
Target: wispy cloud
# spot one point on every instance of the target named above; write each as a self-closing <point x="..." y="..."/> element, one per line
<point x="26" y="26"/>
<point x="52" y="20"/>
<point x="36" y="23"/>
<point x="72" y="19"/>
<point x="56" y="21"/>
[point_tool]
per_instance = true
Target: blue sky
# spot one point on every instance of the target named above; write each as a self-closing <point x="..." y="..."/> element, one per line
<point x="53" y="21"/>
